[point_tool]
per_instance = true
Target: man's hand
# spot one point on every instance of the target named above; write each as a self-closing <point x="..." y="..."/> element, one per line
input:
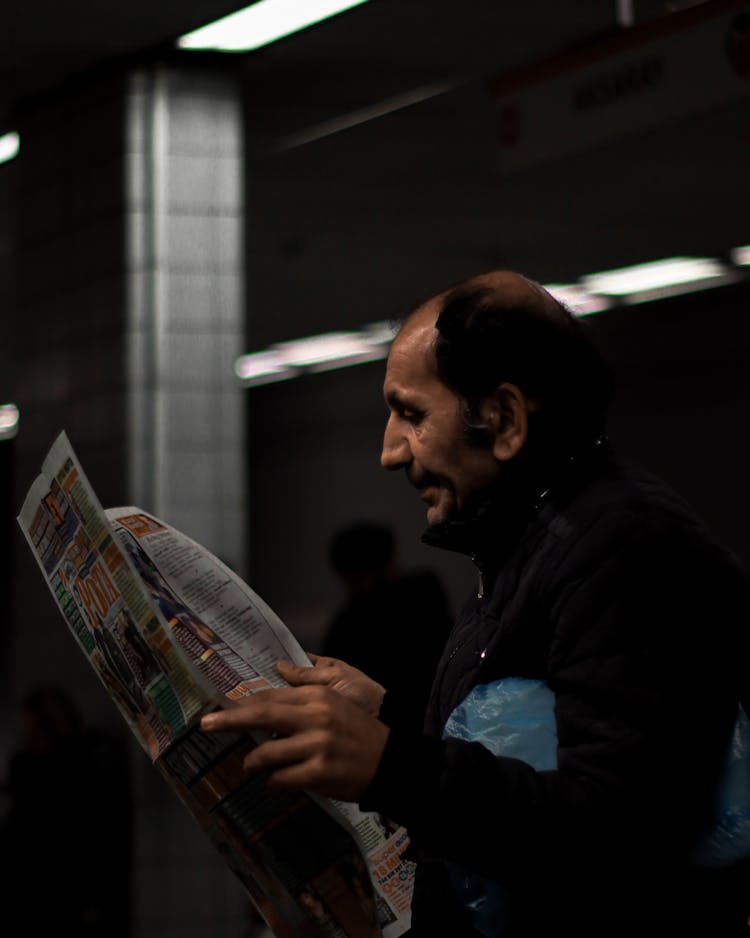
<point x="326" y="743"/>
<point x="339" y="676"/>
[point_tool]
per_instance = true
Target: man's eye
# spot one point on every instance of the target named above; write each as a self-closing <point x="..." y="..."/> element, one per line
<point x="412" y="416"/>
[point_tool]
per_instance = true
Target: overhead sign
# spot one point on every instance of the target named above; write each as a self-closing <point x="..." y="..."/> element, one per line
<point x="643" y="77"/>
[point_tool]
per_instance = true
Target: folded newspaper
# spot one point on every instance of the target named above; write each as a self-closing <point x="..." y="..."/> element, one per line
<point x="174" y="633"/>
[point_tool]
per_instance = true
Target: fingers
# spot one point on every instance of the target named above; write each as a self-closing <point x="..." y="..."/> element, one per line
<point x="345" y="679"/>
<point x="299" y="675"/>
<point x="279" y="710"/>
<point x="341" y="765"/>
<point x="276" y="753"/>
<point x="319" y="739"/>
<point x="291" y="770"/>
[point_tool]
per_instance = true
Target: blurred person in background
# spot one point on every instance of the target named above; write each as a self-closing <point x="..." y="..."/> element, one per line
<point x="393" y="624"/>
<point x="66" y="839"/>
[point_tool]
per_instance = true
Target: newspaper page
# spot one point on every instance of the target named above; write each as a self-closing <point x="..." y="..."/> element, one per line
<point x="235" y="639"/>
<point x="107" y="607"/>
<point x="173" y="633"/>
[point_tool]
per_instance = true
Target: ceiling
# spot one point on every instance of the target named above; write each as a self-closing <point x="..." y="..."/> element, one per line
<point x="45" y="43"/>
<point x="381" y="48"/>
<point x="415" y="190"/>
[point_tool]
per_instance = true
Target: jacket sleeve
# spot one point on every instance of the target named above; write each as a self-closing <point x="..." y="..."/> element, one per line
<point x="644" y="614"/>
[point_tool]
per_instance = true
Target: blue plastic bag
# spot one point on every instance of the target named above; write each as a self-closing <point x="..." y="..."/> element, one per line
<point x="728" y="840"/>
<point x="512" y="717"/>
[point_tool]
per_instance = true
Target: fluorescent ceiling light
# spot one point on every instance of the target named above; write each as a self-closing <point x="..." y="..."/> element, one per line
<point x="667" y="277"/>
<point x="9" y="417"/>
<point x="578" y="300"/>
<point x="591" y="294"/>
<point x="262" y="23"/>
<point x="379" y="333"/>
<point x="313" y="354"/>
<point x="261" y="367"/>
<point x="372" y="354"/>
<point x="319" y="349"/>
<point x="10" y="144"/>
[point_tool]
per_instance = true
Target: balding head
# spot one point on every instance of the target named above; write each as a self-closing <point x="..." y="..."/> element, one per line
<point x="501" y="327"/>
<point x="511" y="289"/>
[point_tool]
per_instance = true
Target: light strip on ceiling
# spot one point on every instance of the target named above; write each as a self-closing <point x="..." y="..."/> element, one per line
<point x="10" y="144"/>
<point x="9" y="418"/>
<point x="262" y="23"/>
<point x="314" y="354"/>
<point x="668" y="277"/>
<point x="579" y="301"/>
<point x="593" y="293"/>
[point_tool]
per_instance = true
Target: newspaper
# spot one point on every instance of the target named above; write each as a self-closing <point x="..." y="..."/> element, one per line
<point x="173" y="633"/>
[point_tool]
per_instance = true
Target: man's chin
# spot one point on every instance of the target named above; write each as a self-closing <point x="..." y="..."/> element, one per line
<point x="440" y="514"/>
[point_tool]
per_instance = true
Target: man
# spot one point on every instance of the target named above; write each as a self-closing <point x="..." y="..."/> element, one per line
<point x="581" y="712"/>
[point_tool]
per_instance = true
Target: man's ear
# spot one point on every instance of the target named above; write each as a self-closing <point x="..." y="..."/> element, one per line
<point x="506" y="412"/>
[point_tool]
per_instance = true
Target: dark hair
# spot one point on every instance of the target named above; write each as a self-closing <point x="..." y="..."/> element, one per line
<point x="485" y="338"/>
<point x="364" y="545"/>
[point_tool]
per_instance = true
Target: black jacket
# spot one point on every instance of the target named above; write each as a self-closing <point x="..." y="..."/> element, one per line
<point x="603" y="585"/>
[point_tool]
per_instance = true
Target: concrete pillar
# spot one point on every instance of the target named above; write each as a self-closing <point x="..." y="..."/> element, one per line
<point x="185" y="308"/>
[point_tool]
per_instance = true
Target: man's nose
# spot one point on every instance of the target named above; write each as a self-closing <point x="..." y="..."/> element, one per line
<point x="395" y="453"/>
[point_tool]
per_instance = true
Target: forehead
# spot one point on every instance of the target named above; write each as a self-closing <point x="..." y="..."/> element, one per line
<point x="411" y="367"/>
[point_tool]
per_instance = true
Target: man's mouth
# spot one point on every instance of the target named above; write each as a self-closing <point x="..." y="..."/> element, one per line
<point x="423" y="483"/>
<point x="427" y="488"/>
<point x="430" y="493"/>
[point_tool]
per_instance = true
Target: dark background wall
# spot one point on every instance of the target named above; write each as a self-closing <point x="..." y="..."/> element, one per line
<point x="683" y="400"/>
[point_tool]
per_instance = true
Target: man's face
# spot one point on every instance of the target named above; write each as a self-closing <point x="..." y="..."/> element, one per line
<point x="424" y="434"/>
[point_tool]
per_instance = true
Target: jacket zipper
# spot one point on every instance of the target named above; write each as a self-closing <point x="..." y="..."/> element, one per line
<point x="480" y="582"/>
<point x="438" y="687"/>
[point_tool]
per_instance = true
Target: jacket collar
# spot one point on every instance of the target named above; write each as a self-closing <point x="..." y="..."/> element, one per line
<point x="498" y="523"/>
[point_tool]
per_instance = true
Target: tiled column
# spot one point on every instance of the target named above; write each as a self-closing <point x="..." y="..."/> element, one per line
<point x="129" y="314"/>
<point x="184" y="425"/>
<point x="185" y="305"/>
